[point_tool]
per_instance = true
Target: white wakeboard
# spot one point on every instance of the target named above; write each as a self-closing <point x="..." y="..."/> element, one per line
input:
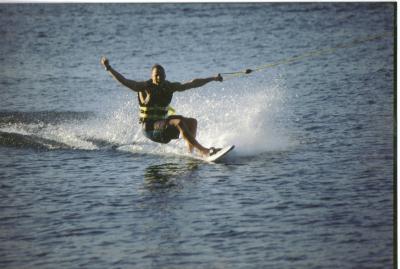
<point x="220" y="154"/>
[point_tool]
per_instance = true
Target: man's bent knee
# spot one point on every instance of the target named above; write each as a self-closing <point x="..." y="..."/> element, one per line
<point x="192" y="120"/>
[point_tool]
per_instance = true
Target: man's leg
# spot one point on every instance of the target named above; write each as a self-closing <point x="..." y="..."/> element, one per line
<point x="192" y="126"/>
<point x="188" y="130"/>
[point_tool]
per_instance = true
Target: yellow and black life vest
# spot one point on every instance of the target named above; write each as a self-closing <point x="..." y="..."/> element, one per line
<point x="154" y="102"/>
<point x="155" y="113"/>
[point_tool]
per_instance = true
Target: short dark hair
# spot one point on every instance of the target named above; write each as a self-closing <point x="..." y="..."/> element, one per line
<point x="158" y="66"/>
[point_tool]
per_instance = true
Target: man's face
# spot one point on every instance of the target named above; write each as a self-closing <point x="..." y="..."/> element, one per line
<point x="158" y="76"/>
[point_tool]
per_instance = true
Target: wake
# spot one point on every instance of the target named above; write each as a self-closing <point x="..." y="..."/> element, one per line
<point x="245" y="116"/>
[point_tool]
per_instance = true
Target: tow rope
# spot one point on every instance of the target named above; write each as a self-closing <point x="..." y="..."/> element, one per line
<point x="309" y="54"/>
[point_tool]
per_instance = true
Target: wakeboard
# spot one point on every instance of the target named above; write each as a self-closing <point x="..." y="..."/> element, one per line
<point x="220" y="154"/>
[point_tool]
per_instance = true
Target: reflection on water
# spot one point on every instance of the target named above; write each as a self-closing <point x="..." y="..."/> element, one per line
<point x="168" y="175"/>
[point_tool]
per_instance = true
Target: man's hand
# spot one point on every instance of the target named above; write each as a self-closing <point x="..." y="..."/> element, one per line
<point x="219" y="78"/>
<point x="104" y="61"/>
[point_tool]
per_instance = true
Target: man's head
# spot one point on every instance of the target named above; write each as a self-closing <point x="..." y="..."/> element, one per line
<point x="157" y="74"/>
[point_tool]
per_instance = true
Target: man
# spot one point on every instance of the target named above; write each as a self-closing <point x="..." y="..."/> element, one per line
<point x="154" y="97"/>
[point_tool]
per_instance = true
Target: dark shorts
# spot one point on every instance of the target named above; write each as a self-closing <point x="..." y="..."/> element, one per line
<point x="159" y="131"/>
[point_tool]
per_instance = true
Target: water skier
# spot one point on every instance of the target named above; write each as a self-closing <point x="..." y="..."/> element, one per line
<point x="154" y="96"/>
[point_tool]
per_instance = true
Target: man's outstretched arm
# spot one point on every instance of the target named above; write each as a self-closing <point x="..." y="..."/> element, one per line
<point x="131" y="84"/>
<point x="196" y="83"/>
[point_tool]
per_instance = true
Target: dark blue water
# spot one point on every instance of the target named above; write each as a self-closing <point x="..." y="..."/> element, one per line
<point x="309" y="184"/>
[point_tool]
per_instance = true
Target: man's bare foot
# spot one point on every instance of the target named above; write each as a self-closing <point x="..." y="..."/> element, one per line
<point x="212" y="151"/>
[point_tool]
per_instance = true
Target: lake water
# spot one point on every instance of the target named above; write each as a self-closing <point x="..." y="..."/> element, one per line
<point x="310" y="183"/>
